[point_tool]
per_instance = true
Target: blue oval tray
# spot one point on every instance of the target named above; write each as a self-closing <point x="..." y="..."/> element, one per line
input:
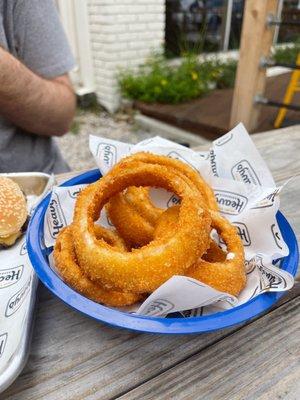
<point x="38" y="257"/>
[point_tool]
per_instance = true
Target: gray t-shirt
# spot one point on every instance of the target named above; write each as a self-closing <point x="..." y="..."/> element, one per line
<point x="31" y="31"/>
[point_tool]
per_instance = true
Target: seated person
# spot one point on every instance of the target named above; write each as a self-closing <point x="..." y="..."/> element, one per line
<point x="37" y="100"/>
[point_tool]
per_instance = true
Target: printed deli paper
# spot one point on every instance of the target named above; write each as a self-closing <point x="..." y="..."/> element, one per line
<point x="17" y="287"/>
<point x="246" y="194"/>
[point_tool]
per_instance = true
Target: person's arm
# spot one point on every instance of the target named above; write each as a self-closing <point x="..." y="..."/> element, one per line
<point x="38" y="105"/>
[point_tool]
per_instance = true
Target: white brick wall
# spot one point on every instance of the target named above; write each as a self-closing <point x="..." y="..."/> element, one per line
<point x="123" y="34"/>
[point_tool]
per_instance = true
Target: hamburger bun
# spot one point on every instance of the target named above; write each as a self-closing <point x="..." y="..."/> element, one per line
<point x="13" y="211"/>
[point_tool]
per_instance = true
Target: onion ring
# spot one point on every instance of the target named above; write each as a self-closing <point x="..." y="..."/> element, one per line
<point x="192" y="174"/>
<point x="214" y="269"/>
<point x="68" y="268"/>
<point x="139" y="198"/>
<point x="109" y="236"/>
<point x="167" y="225"/>
<point x="136" y="209"/>
<point x="214" y="253"/>
<point x="134" y="228"/>
<point x="141" y="270"/>
<point x="228" y="276"/>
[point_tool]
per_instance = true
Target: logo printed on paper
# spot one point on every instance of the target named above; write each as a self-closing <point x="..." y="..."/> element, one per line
<point x="3" y="340"/>
<point x="108" y="153"/>
<point x="276" y="235"/>
<point x="159" y="306"/>
<point x="230" y="202"/>
<point x="177" y="156"/>
<point x="23" y="249"/>
<point x="213" y="163"/>
<point x="74" y="193"/>
<point x="224" y="139"/>
<point x="57" y="218"/>
<point x="10" y="276"/>
<point x="250" y="266"/>
<point x="269" y="277"/>
<point x="243" y="233"/>
<point x="173" y="201"/>
<point x="203" y="154"/>
<point x="267" y="201"/>
<point x="244" y="172"/>
<point x="15" y="302"/>
<point x="196" y="312"/>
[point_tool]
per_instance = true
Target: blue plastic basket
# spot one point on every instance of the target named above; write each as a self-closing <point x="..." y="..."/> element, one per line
<point x="237" y="315"/>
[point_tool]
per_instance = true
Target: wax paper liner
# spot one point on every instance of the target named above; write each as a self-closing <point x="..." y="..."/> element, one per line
<point x="16" y="286"/>
<point x="247" y="195"/>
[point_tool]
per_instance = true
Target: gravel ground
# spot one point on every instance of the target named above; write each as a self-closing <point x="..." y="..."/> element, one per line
<point x="74" y="145"/>
<point x="122" y="126"/>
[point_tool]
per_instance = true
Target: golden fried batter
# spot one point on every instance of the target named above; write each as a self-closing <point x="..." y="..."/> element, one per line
<point x="68" y="268"/>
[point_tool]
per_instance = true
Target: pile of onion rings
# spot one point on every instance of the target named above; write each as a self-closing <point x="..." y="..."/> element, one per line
<point x="150" y="244"/>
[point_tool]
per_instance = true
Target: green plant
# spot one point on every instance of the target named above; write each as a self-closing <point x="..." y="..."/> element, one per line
<point x="287" y="54"/>
<point x="227" y="74"/>
<point x="158" y="81"/>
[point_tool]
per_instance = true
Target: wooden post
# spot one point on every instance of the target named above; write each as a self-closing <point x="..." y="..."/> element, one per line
<point x="256" y="42"/>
